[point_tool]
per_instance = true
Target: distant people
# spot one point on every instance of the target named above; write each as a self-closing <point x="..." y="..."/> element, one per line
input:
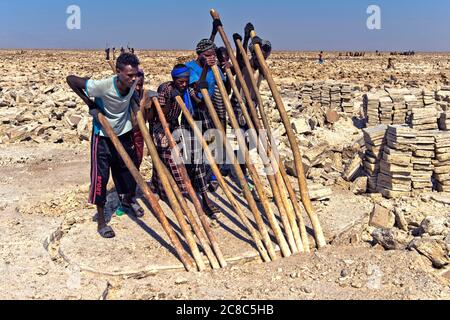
<point x="321" y="61"/>
<point x="391" y="64"/>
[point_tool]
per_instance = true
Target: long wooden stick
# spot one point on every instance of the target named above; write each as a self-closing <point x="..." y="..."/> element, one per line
<point x="248" y="97"/>
<point x="185" y="208"/>
<point x="112" y="66"/>
<point x="275" y="179"/>
<point x="159" y="166"/>
<point x="254" y="234"/>
<point x="184" y="257"/>
<point x="318" y="233"/>
<point x="282" y="169"/>
<point x="240" y="175"/>
<point x="177" y="192"/>
<point x="254" y="174"/>
<point x="190" y="189"/>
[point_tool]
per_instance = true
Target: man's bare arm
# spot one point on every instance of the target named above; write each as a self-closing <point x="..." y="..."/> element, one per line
<point x="78" y="85"/>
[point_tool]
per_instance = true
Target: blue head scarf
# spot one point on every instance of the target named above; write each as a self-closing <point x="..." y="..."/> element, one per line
<point x="184" y="72"/>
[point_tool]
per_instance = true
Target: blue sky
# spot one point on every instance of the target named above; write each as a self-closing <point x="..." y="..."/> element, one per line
<point x="173" y="24"/>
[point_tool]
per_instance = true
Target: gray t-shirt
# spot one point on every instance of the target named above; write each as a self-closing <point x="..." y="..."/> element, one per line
<point x="116" y="108"/>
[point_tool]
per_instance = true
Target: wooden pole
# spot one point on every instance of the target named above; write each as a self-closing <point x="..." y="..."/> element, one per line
<point x="190" y="189"/>
<point x="281" y="167"/>
<point x="275" y="179"/>
<point x="249" y="99"/>
<point x="112" y="66"/>
<point x="241" y="177"/>
<point x="184" y="257"/>
<point x="254" y="174"/>
<point x="318" y="233"/>
<point x="159" y="166"/>
<point x="254" y="234"/>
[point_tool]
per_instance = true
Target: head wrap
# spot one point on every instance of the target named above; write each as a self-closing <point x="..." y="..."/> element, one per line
<point x="141" y="73"/>
<point x="266" y="47"/>
<point x="181" y="72"/>
<point x="205" y="45"/>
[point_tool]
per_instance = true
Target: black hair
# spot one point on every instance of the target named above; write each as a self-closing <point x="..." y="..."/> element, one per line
<point x="222" y="50"/>
<point x="127" y="59"/>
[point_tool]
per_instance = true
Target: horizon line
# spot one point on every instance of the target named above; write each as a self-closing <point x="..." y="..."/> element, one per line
<point x="193" y="50"/>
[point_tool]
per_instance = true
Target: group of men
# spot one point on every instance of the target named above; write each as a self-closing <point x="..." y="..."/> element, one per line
<point x="119" y="97"/>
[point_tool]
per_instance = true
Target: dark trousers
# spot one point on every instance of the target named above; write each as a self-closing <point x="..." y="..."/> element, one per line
<point x="105" y="158"/>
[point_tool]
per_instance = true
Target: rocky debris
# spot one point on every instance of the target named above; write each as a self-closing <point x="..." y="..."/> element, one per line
<point x="435" y="226"/>
<point x="417" y="107"/>
<point x="411" y="102"/>
<point x="392" y="239"/>
<point x="381" y="217"/>
<point x="441" y="163"/>
<point x="301" y="126"/>
<point x="402" y="161"/>
<point x="359" y="186"/>
<point x="324" y="100"/>
<point x="353" y="168"/>
<point x="402" y="223"/>
<point x="400" y="220"/>
<point x="424" y="118"/>
<point x="67" y="202"/>
<point x="371" y="104"/>
<point x="319" y="193"/>
<point x="41" y="115"/>
<point x="399" y="107"/>
<point x="423" y="153"/>
<point x="444" y="121"/>
<point x="375" y="140"/>
<point x="395" y="167"/>
<point x="447" y="242"/>
<point x="429" y="98"/>
<point x="435" y="250"/>
<point x="442" y="198"/>
<point x="386" y="109"/>
<point x="332" y="116"/>
<point x="347" y="104"/>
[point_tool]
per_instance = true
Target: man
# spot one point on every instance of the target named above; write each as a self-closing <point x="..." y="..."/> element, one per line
<point x="166" y="97"/>
<point x="198" y="171"/>
<point x="321" y="61"/>
<point x="391" y="64"/>
<point x="113" y="98"/>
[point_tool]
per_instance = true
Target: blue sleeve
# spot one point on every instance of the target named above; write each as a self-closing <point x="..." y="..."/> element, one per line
<point x="194" y="76"/>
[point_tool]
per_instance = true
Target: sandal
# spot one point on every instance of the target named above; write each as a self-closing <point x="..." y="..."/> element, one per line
<point x="135" y="208"/>
<point x="107" y="232"/>
<point x="212" y="211"/>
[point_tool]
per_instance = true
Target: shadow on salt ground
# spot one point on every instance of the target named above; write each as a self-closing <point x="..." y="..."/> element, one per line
<point x="111" y="207"/>
<point x="236" y="222"/>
